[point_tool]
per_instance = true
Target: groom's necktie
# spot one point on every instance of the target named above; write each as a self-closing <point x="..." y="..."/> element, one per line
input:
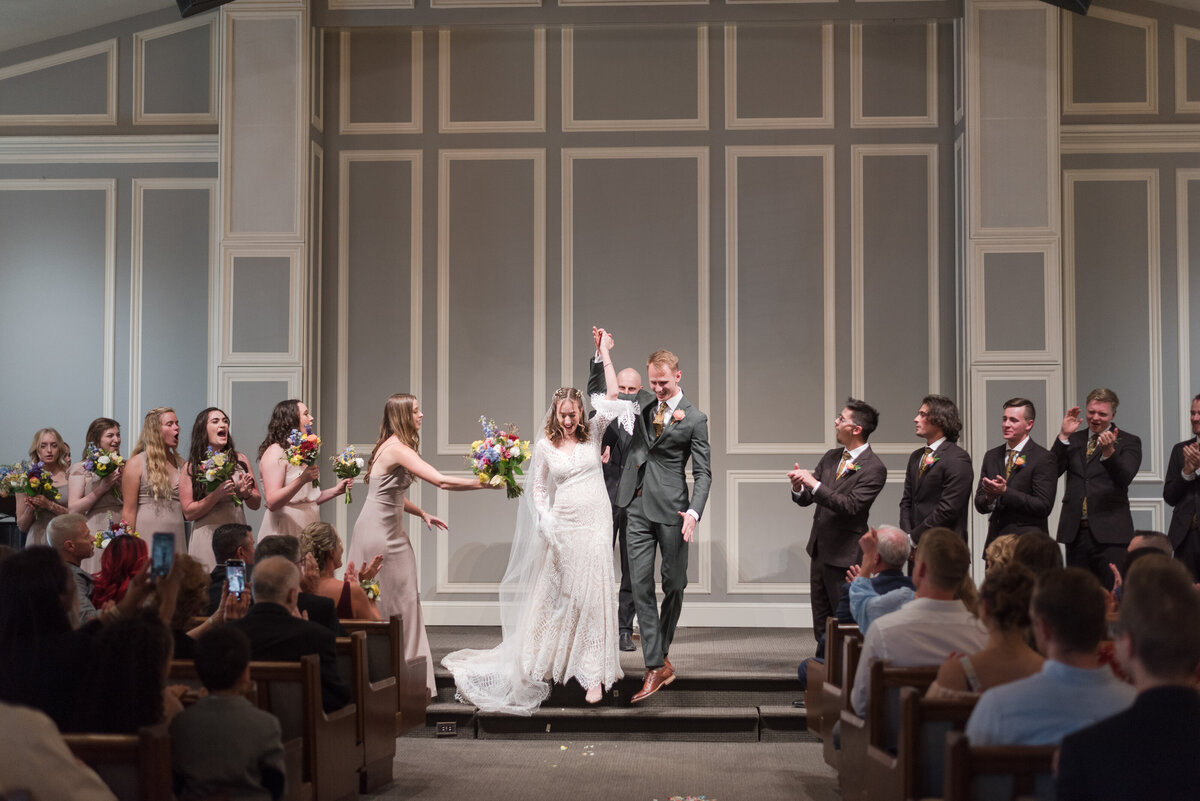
<point x="658" y="418"/>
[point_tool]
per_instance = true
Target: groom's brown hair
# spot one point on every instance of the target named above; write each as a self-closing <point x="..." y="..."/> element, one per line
<point x="664" y="359"/>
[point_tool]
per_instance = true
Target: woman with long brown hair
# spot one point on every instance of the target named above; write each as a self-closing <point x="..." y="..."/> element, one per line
<point x="35" y="513"/>
<point x="288" y="489"/>
<point x="91" y="496"/>
<point x="395" y="463"/>
<point x="223" y="504"/>
<point x="150" y="484"/>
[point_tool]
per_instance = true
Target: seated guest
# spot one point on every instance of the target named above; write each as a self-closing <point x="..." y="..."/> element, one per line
<point x="278" y="633"/>
<point x="35" y="761"/>
<point x="1073" y="689"/>
<point x="224" y="744"/>
<point x="1004" y="611"/>
<point x="322" y="541"/>
<point x="230" y="541"/>
<point x="1000" y="551"/>
<point x="1149" y="750"/>
<point x="120" y="561"/>
<point x="126" y="681"/>
<point x="1038" y="552"/>
<point x="931" y="626"/>
<point x="1143" y="543"/>
<point x="68" y="535"/>
<point x="191" y="601"/>
<point x="319" y="609"/>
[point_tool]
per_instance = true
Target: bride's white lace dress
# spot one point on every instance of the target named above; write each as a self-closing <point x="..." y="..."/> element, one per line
<point x="564" y="622"/>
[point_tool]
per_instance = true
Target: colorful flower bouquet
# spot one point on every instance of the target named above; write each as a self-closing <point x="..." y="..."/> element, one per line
<point x="303" y="450"/>
<point x="216" y="469"/>
<point x="12" y="478"/>
<point x="347" y="465"/>
<point x="102" y="464"/>
<point x="33" y="480"/>
<point x="115" y="529"/>
<point x="497" y="458"/>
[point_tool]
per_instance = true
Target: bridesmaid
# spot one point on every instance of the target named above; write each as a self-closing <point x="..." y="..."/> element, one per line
<point x="394" y="465"/>
<point x="96" y="498"/>
<point x="291" y="498"/>
<point x="208" y="510"/>
<point x="34" y="514"/>
<point x="150" y="484"/>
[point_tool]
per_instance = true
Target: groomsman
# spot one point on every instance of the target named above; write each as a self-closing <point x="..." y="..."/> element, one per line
<point x="1100" y="462"/>
<point x="1019" y="479"/>
<point x="615" y="446"/>
<point x="1181" y="490"/>
<point x="843" y="485"/>
<point x="937" y="483"/>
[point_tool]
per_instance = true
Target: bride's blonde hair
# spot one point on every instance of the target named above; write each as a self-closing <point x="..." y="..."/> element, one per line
<point x="554" y="430"/>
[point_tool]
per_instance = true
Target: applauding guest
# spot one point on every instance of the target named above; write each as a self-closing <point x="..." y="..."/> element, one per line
<point x="937" y="482"/>
<point x="88" y="494"/>
<point x="212" y="441"/>
<point x="35" y="513"/>
<point x="150" y="484"/>
<point x="1019" y="479"/>
<point x="288" y="489"/>
<point x="1182" y="491"/>
<point x="321" y="540"/>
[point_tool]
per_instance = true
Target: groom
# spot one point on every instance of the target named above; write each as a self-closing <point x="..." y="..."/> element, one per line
<point x="653" y="489"/>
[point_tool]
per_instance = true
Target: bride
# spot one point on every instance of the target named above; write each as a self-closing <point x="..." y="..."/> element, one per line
<point x="558" y="597"/>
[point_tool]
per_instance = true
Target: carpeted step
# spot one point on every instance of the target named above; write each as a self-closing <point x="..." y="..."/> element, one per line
<point x="693" y="724"/>
<point x="784" y="724"/>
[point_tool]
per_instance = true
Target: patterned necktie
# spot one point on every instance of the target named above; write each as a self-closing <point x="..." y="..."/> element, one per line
<point x="658" y="418"/>
<point x="1091" y="448"/>
<point x="924" y="461"/>
<point x="1008" y="462"/>
<point x="841" y="471"/>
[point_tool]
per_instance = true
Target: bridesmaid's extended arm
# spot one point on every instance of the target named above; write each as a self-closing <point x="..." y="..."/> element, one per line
<point x="131" y="478"/>
<point x="80" y="504"/>
<point x="411" y="461"/>
<point x="336" y="490"/>
<point x="273" y="469"/>
<point x="195" y="509"/>
<point x="431" y="522"/>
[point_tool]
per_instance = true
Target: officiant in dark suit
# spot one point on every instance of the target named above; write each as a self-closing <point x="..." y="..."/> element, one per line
<point x="668" y="432"/>
<point x="1019" y="478"/>
<point x="938" y="480"/>
<point x="843" y="485"/>
<point x="614" y="447"/>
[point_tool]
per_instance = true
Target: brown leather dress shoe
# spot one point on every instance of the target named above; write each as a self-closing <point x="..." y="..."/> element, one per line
<point x="656" y="679"/>
<point x="667" y="664"/>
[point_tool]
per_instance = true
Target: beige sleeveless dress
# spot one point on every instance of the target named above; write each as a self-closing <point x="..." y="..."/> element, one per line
<point x="97" y="516"/>
<point x="154" y="515"/>
<point x="299" y="511"/>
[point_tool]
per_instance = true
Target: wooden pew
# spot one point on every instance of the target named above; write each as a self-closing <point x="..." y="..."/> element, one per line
<point x="376" y="702"/>
<point x="917" y="767"/>
<point x="997" y="773"/>
<point x="814" y="697"/>
<point x="385" y="657"/>
<point x="841" y="662"/>
<point x="879" y="725"/>
<point x="136" y="767"/>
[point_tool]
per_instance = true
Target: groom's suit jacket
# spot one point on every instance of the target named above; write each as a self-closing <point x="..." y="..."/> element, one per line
<point x="657" y="464"/>
<point x="939" y="497"/>
<point x="1029" y="498"/>
<point x="843" y="505"/>
<point x="1105" y="484"/>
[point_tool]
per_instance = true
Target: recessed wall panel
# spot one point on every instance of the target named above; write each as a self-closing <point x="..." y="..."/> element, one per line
<point x="643" y="73"/>
<point x="773" y="550"/>
<point x="261" y="302"/>
<point x="1045" y="428"/>
<point x="1192" y="69"/>
<point x="174" y="320"/>
<point x="779" y="71"/>
<point x="1108" y="62"/>
<point x="379" y="272"/>
<point x="380" y="79"/>
<point x="489" y="306"/>
<point x="1014" y="286"/>
<point x="492" y="74"/>
<point x="894" y="73"/>
<point x="477" y="545"/>
<point x="176" y="72"/>
<point x="1192" y="266"/>
<point x="76" y="87"/>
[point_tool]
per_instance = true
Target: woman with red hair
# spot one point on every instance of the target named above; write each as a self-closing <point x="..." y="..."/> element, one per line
<point x="119" y="562"/>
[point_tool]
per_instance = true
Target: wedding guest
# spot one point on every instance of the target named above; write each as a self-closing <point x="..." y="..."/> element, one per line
<point x="288" y="489"/>
<point x="71" y="540"/>
<point x="1037" y="552"/>
<point x="209" y="509"/>
<point x="35" y="513"/>
<point x="322" y="541"/>
<point x="98" y="499"/>
<point x="999" y="551"/>
<point x="127" y="677"/>
<point x="395" y="464"/>
<point x="150" y="483"/>
<point x="232" y="541"/>
<point x="120" y="561"/>
<point x="1006" y="656"/>
<point x="317" y="608"/>
<point x="35" y="761"/>
<point x="191" y="601"/>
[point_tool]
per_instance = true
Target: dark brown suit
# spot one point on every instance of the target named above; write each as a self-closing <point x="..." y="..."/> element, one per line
<point x="939" y="497"/>
<point x="1029" y="498"/>
<point x="1183" y="496"/>
<point x="840" y="519"/>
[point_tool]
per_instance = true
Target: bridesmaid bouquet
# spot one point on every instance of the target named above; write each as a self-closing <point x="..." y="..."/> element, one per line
<point x="347" y="465"/>
<point x="497" y="458"/>
<point x="216" y="469"/>
<point x="115" y="529"/>
<point x="303" y="449"/>
<point x="33" y="480"/>
<point x="12" y="478"/>
<point x="103" y="464"/>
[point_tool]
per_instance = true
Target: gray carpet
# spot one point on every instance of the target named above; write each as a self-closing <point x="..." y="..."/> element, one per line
<point x="507" y="770"/>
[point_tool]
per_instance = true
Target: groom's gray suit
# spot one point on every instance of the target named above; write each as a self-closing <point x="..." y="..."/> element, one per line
<point x="654" y="489"/>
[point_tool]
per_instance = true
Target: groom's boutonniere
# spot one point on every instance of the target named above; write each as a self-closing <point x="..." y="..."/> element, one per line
<point x="677" y="416"/>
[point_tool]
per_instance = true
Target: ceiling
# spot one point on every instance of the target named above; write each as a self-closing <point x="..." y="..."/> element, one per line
<point x="24" y="22"/>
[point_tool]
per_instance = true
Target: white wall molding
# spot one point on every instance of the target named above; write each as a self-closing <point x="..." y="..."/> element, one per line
<point x="535" y="125"/>
<point x="379" y="5"/>
<point x="446" y="158"/>
<point x="1183" y="35"/>
<point x="347" y="125"/>
<point x="697" y="123"/>
<point x="140" y="38"/>
<point x="296" y="300"/>
<point x="1139" y="139"/>
<point x="188" y="148"/>
<point x="228" y="376"/>
<point x="1183" y="260"/>
<point x="829" y="290"/>
<point x="1149" y="28"/>
<point x="734" y="585"/>
<point x="860" y="120"/>
<point x="976" y="301"/>
<point x="1157" y="509"/>
<point x="735" y="122"/>
<point x="317" y="77"/>
<point x="107" y="48"/>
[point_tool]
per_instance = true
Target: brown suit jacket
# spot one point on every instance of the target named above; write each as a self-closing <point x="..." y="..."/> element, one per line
<point x="842" y="505"/>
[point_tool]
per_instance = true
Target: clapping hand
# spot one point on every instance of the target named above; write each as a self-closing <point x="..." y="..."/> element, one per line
<point x="994" y="487"/>
<point x="372" y="570"/>
<point x="1071" y="421"/>
<point x="801" y="478"/>
<point x="1107" y="442"/>
<point x="1191" y="458"/>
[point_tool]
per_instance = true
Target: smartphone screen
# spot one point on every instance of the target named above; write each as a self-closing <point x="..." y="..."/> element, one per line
<point x="235" y="572"/>
<point x="162" y="553"/>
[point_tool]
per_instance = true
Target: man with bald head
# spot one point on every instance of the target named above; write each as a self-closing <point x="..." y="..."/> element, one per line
<point x="71" y="538"/>
<point x="614" y="447"/>
<point x="277" y="633"/>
